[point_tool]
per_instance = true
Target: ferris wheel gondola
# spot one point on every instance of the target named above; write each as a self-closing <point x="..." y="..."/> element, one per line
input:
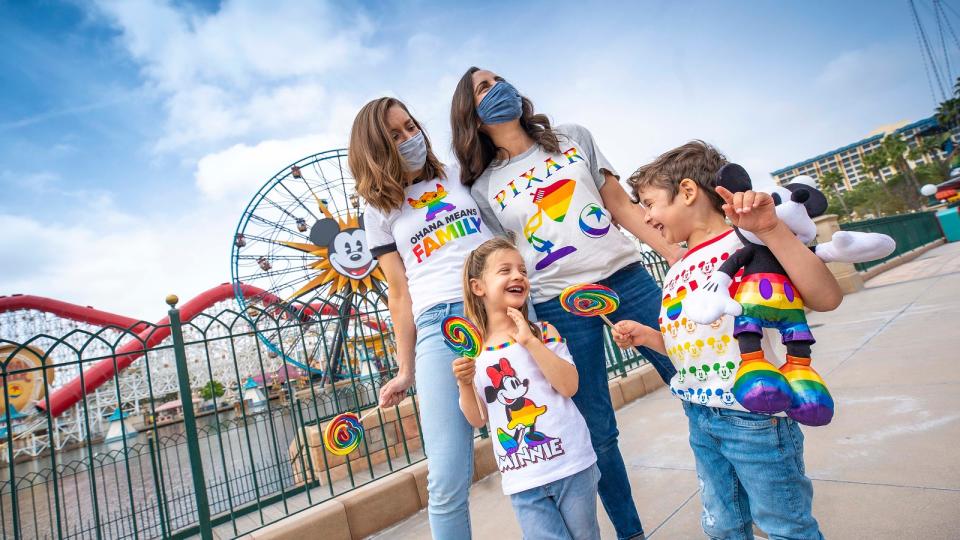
<point x="301" y="240"/>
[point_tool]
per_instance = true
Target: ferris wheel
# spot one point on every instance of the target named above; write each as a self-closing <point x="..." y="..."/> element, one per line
<point x="300" y="254"/>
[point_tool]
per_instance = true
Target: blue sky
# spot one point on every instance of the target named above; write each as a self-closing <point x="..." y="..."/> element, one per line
<point x="133" y="133"/>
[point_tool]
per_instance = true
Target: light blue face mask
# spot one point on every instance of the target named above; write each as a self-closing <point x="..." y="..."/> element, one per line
<point x="414" y="152"/>
<point x="501" y="104"/>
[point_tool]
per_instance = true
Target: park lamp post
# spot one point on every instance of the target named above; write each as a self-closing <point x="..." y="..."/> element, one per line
<point x="929" y="190"/>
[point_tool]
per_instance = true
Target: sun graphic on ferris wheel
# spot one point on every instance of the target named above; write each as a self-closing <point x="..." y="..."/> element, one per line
<point x="344" y="262"/>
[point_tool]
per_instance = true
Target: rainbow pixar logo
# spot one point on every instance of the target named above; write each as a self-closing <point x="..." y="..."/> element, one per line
<point x="594" y="221"/>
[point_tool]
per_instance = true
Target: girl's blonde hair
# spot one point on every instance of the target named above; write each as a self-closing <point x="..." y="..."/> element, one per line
<point x="473" y="268"/>
<point x="375" y="161"/>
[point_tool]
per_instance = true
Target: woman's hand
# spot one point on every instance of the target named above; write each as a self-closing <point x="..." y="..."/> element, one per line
<point x="464" y="369"/>
<point x="632" y="334"/>
<point x="752" y="211"/>
<point x="392" y="393"/>
<point x="523" y="335"/>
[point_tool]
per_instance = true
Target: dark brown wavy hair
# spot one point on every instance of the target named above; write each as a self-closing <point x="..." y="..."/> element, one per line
<point x="375" y="161"/>
<point x="474" y="149"/>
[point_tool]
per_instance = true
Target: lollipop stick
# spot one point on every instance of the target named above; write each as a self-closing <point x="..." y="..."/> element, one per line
<point x="480" y="406"/>
<point x="606" y="320"/>
<point x="368" y="413"/>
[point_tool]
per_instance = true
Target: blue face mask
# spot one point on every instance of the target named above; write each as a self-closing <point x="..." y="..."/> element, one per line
<point x="501" y="104"/>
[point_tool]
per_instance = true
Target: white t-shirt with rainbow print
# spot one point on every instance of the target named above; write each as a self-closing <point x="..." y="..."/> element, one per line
<point x="552" y="203"/>
<point x="706" y="355"/>
<point x="438" y="225"/>
<point x="538" y="435"/>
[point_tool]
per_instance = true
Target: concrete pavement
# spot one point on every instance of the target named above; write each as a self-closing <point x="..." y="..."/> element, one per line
<point x="888" y="466"/>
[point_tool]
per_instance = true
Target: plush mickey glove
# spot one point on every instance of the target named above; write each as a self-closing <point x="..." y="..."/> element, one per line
<point x="712" y="301"/>
<point x="855" y="247"/>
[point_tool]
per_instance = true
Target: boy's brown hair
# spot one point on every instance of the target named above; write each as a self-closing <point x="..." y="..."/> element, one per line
<point x="695" y="160"/>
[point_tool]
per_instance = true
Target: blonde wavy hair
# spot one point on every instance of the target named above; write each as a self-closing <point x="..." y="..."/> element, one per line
<point x="473" y="268"/>
<point x="375" y="161"/>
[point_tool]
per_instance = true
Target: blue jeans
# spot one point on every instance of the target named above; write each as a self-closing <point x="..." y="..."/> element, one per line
<point x="751" y="469"/>
<point x="640" y="301"/>
<point x="564" y="509"/>
<point x="447" y="436"/>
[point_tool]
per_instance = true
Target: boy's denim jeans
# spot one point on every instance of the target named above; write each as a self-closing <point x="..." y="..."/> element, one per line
<point x="447" y="436"/>
<point x="640" y="301"/>
<point x="751" y="470"/>
<point x="564" y="509"/>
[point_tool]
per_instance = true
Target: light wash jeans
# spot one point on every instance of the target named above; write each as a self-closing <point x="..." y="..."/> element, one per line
<point x="564" y="509"/>
<point x="751" y="469"/>
<point x="447" y="436"/>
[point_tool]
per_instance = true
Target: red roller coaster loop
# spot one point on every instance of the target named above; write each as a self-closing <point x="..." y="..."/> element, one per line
<point x="148" y="336"/>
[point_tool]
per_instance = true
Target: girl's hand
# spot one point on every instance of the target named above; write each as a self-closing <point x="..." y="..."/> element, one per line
<point x="524" y="336"/>
<point x="392" y="393"/>
<point x="631" y="334"/>
<point x="464" y="370"/>
<point x="752" y="211"/>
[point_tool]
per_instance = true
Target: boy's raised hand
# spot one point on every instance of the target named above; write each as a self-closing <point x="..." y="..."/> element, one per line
<point x="463" y="369"/>
<point x="752" y="211"/>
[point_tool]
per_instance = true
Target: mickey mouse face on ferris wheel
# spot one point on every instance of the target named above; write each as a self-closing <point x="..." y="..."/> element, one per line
<point x="347" y="249"/>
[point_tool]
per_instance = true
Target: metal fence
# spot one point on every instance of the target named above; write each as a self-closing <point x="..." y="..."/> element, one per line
<point x="231" y="463"/>
<point x="910" y="231"/>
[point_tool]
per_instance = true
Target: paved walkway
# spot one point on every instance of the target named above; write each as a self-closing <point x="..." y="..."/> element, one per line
<point x="887" y="467"/>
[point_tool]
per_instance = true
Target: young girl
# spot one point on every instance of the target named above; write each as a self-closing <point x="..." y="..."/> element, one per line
<point x="522" y="382"/>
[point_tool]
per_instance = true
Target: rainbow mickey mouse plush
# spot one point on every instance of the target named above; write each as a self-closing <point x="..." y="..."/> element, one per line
<point x="765" y="298"/>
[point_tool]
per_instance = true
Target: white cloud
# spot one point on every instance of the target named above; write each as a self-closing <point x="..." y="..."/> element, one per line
<point x="247" y="69"/>
<point x="123" y="263"/>
<point x="239" y="171"/>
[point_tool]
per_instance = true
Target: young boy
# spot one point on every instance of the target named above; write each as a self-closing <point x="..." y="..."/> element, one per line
<point x="750" y="465"/>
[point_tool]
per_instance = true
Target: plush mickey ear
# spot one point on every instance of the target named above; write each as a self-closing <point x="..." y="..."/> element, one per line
<point x="812" y="198"/>
<point x="360" y="221"/>
<point x="734" y="178"/>
<point x="324" y="231"/>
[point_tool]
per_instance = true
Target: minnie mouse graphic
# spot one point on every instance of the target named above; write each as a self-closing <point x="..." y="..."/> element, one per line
<point x="521" y="412"/>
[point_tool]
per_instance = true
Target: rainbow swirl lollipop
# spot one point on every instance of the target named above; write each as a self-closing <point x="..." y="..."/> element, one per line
<point x="589" y="300"/>
<point x="461" y="336"/>
<point x="343" y="434"/>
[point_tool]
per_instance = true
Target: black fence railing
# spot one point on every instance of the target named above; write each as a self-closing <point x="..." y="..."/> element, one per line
<point x="255" y="448"/>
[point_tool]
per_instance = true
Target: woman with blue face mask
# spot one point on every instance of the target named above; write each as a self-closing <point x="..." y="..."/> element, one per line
<point x="554" y="190"/>
<point x="421" y="224"/>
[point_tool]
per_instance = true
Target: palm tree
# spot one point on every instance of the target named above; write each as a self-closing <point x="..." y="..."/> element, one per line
<point x="874" y="162"/>
<point x="929" y="147"/>
<point x="896" y="150"/>
<point x="833" y="180"/>
<point x="948" y="116"/>
<point x="948" y="113"/>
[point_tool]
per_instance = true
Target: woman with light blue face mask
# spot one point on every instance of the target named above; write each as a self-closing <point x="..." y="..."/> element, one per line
<point x="421" y="224"/>
<point x="554" y="190"/>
